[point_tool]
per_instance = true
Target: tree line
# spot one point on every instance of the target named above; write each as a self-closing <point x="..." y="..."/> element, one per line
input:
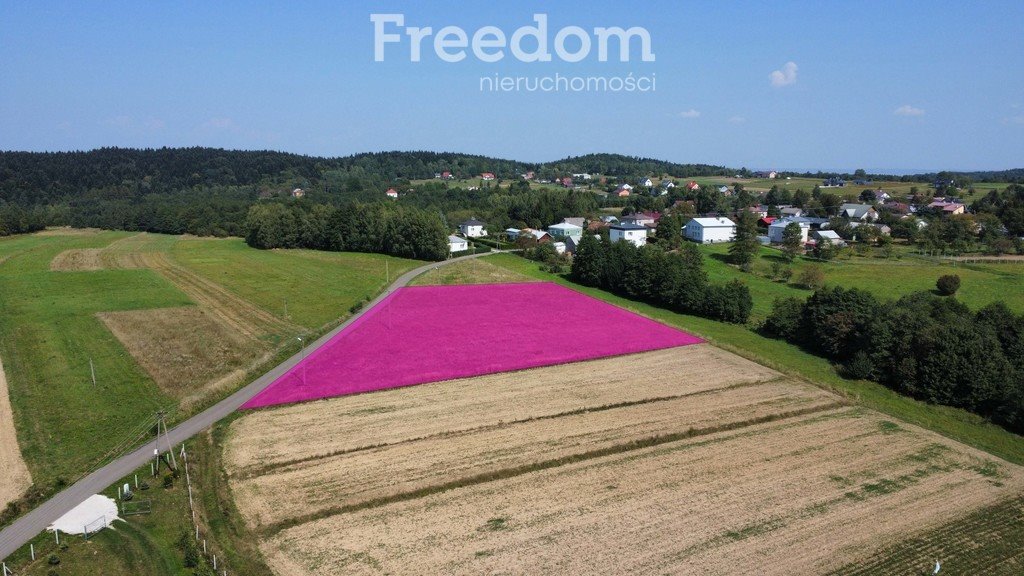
<point x="922" y="345"/>
<point x="351" y="227"/>
<point x="675" y="280"/>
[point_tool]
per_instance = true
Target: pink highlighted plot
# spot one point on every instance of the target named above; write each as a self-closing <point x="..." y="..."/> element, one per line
<point x="432" y="333"/>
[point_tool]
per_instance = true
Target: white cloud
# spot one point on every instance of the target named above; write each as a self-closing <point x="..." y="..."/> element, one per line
<point x="691" y="113"/>
<point x="737" y="120"/>
<point x="908" y="110"/>
<point x="784" y="77"/>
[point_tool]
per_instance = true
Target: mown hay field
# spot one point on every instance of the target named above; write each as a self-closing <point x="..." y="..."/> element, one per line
<point x="687" y="460"/>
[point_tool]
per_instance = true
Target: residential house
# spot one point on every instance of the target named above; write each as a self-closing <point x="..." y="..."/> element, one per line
<point x="447" y="175"/>
<point x="575" y="221"/>
<point x="512" y="233"/>
<point x="758" y="211"/>
<point x="827" y="236"/>
<point x="642" y="219"/>
<point x="457" y="244"/>
<point x="882" y="196"/>
<point x="882" y="228"/>
<point x="566" y="182"/>
<point x="667" y="184"/>
<point x="723" y="189"/>
<point x="776" y="229"/>
<point x="645" y="182"/>
<point x="582" y="176"/>
<point x="609" y="219"/>
<point x="710" y="230"/>
<point x="858" y="212"/>
<point x="540" y="236"/>
<point x="559" y="247"/>
<point x="623" y="191"/>
<point x="473" y="228"/>
<point x="298" y="193"/>
<point x="692" y="186"/>
<point x="572" y="244"/>
<point x="897" y="207"/>
<point x="833" y="182"/>
<point x="790" y="212"/>
<point x="392" y="193"/>
<point x="565" y="230"/>
<point x="947" y="208"/>
<point x="528" y="176"/>
<point x="487" y="176"/>
<point x="632" y="233"/>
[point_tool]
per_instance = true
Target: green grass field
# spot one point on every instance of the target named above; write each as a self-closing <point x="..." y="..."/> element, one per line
<point x="66" y="425"/>
<point x="885" y="278"/>
<point x="951" y="422"/>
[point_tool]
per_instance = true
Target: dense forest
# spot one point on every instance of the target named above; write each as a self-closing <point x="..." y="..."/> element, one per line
<point x="208" y="191"/>
<point x="930" y="347"/>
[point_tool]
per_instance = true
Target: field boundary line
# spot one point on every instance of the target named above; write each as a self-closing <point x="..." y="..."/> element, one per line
<point x="262" y="470"/>
<point x="506" y="473"/>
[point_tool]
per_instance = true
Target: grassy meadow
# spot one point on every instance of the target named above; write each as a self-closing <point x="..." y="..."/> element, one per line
<point x="885" y="278"/>
<point x="49" y="328"/>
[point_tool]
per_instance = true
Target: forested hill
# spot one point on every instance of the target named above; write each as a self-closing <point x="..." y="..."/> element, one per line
<point x="34" y="178"/>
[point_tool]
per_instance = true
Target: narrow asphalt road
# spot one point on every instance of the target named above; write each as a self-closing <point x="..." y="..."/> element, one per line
<point x="28" y="526"/>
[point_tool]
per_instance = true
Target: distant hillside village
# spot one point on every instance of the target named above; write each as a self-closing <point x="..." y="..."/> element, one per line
<point x="831" y="216"/>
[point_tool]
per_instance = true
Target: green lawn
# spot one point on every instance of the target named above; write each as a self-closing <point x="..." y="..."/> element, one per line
<point x="49" y="335"/>
<point x="885" y="278"/>
<point x="49" y="331"/>
<point x="317" y="286"/>
<point x="951" y="422"/>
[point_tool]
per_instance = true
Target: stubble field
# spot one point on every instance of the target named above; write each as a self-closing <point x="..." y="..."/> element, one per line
<point x="686" y="460"/>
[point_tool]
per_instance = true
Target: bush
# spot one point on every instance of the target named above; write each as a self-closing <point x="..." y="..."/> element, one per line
<point x="948" y="285"/>
<point x="168" y="481"/>
<point x="53" y="560"/>
<point x="784" y="321"/>
<point x="812" y="278"/>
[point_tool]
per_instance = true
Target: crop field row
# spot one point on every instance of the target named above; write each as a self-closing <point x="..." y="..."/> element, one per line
<point x="677" y="461"/>
<point x="798" y="496"/>
<point x="268" y="438"/>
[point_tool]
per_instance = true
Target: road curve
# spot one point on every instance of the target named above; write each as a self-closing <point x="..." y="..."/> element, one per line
<point x="28" y="526"/>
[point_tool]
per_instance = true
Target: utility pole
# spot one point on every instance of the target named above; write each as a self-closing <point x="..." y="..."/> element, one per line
<point x="162" y="421"/>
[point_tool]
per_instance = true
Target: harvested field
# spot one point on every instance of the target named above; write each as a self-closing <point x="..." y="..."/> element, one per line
<point x="314" y="487"/>
<point x="269" y="437"/>
<point x="798" y="496"/>
<point x="14" y="475"/>
<point x="473" y="271"/>
<point x="182" y="349"/>
<point x="78" y="260"/>
<point x="433" y="333"/>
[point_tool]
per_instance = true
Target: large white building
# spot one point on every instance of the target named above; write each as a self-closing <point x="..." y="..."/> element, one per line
<point x="776" y="229"/>
<point x="473" y="228"/>
<point x="632" y="233"/>
<point x="710" y="230"/>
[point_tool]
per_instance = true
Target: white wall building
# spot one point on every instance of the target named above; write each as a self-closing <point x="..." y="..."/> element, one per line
<point x="632" y="233"/>
<point x="457" y="244"/>
<point x="779" y="226"/>
<point x="473" y="228"/>
<point x="710" y="230"/>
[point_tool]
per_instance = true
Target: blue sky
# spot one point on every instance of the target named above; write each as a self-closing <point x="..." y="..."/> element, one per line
<point x="892" y="85"/>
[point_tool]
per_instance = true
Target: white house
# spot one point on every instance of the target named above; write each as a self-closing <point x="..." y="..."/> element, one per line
<point x="473" y="228"/>
<point x="457" y="244"/>
<point x="632" y="233"/>
<point x="777" y="227"/>
<point x="392" y="193"/>
<point x="565" y="230"/>
<point x="861" y="212"/>
<point x="582" y="176"/>
<point x="828" y="236"/>
<point x="645" y="182"/>
<point x="710" y="230"/>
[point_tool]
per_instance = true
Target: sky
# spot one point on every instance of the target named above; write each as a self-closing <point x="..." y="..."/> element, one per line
<point x="887" y="86"/>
